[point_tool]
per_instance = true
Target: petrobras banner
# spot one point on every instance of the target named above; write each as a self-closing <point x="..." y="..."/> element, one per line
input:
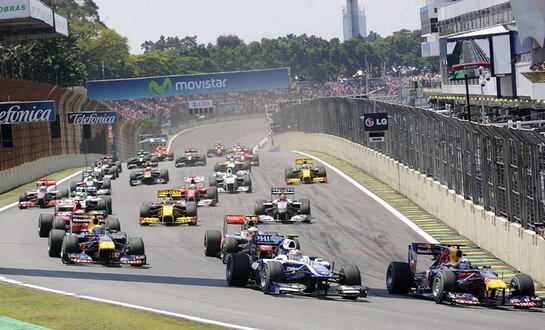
<point x="27" y="112"/>
<point x="203" y="104"/>
<point x="10" y="9"/>
<point x="225" y="82"/>
<point x="92" y="118"/>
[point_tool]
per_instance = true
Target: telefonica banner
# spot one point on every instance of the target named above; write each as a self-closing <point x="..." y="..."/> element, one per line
<point x="225" y="82"/>
<point x="27" y="112"/>
<point x="92" y="118"/>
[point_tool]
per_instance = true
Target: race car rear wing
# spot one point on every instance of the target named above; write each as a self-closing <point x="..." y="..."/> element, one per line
<point x="169" y="193"/>
<point x="430" y="248"/>
<point x="285" y="190"/>
<point x="48" y="182"/>
<point x="302" y="161"/>
<point x="197" y="179"/>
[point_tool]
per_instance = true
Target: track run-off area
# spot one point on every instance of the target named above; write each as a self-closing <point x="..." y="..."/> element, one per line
<point x="348" y="227"/>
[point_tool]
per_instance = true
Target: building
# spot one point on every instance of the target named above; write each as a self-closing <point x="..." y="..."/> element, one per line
<point x="486" y="31"/>
<point x="354" y="20"/>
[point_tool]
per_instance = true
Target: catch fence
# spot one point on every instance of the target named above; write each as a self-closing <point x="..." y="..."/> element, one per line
<point x="502" y="169"/>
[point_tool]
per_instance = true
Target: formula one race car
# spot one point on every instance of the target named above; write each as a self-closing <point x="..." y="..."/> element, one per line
<point x="111" y="162"/>
<point x="218" y="150"/>
<point x="245" y="153"/>
<point x="89" y="201"/>
<point x="233" y="164"/>
<point x="66" y="215"/>
<point x="305" y="172"/>
<point x="229" y="182"/>
<point x="221" y="243"/>
<point x="96" y="245"/>
<point x="143" y="159"/>
<point x="161" y="154"/>
<point x="276" y="266"/>
<point x="45" y="195"/>
<point x="168" y="211"/>
<point x="92" y="186"/>
<point x="104" y="168"/>
<point x="190" y="158"/>
<point x="195" y="191"/>
<point x="149" y="176"/>
<point x="282" y="208"/>
<point x="453" y="279"/>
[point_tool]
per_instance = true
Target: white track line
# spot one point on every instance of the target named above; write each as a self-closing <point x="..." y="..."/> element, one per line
<point x="58" y="182"/>
<point x="122" y="304"/>
<point x="379" y="200"/>
<point x="182" y="132"/>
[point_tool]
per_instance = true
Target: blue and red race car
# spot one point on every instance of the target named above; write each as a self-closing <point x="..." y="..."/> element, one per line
<point x="453" y="279"/>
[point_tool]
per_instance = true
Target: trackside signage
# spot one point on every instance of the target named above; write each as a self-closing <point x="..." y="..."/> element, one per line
<point x="27" y="112"/>
<point x="224" y="82"/>
<point x="373" y="122"/>
<point x="92" y="118"/>
<point x="201" y="104"/>
<point x="10" y="9"/>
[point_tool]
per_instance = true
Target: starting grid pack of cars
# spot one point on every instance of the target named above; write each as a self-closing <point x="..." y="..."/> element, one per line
<point x="83" y="230"/>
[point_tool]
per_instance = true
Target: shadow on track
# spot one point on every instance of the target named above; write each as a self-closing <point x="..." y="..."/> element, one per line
<point x="192" y="281"/>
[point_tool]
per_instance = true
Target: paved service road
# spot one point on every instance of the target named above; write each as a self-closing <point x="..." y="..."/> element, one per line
<point x="349" y="227"/>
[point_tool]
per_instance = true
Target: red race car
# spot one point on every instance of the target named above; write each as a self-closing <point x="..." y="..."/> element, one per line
<point x="45" y="195"/>
<point x="195" y="191"/>
<point x="161" y="153"/>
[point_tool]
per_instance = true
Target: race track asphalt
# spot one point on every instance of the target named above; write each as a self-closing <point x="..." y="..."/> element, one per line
<point x="348" y="228"/>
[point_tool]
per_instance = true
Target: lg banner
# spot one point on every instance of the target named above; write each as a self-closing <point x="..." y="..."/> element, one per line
<point x="92" y="118"/>
<point x="201" y="104"/>
<point x="27" y="112"/>
<point x="373" y="122"/>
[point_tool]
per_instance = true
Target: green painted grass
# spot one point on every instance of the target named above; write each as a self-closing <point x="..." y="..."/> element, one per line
<point x="60" y="312"/>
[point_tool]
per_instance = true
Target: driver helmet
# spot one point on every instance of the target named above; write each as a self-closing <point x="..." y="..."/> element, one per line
<point x="283" y="196"/>
<point x="465" y="264"/>
<point x="287" y="245"/>
<point x="229" y="171"/>
<point x="148" y="168"/>
<point x="295" y="255"/>
<point x="252" y="231"/>
<point x="99" y="230"/>
<point x="43" y="186"/>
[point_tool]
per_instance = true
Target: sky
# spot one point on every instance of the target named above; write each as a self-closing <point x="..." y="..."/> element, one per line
<point x="142" y="20"/>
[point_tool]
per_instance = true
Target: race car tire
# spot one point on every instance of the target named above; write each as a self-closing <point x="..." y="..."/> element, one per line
<point x="65" y="193"/>
<point x="212" y="182"/>
<point x="107" y="183"/>
<point x="133" y="175"/>
<point x="522" y="285"/>
<point x="237" y="270"/>
<point x="212" y="243"/>
<point x="154" y="159"/>
<point x="247" y="181"/>
<point x="23" y="197"/>
<point x="246" y="166"/>
<point x="259" y="208"/>
<point x="108" y="201"/>
<point x="45" y="224"/>
<point x="203" y="157"/>
<point x="230" y="245"/>
<point x="113" y="172"/>
<point x="305" y="206"/>
<point x="191" y="209"/>
<point x="171" y="156"/>
<point x="288" y="173"/>
<point x="322" y="172"/>
<point x="145" y="211"/>
<point x="58" y="224"/>
<point x="119" y="167"/>
<point x="70" y="244"/>
<point x="212" y="193"/>
<point x="102" y="206"/>
<point x="273" y="272"/>
<point x="113" y="224"/>
<point x="73" y="186"/>
<point x="256" y="160"/>
<point x="54" y="244"/>
<point x="217" y="167"/>
<point x="445" y="281"/>
<point x="350" y="275"/>
<point x="210" y="153"/>
<point x="399" y="278"/>
<point x="136" y="246"/>
<point x="164" y="174"/>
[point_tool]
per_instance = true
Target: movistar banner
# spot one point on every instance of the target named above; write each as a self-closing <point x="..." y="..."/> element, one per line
<point x="225" y="82"/>
<point x="27" y="112"/>
<point x="92" y="118"/>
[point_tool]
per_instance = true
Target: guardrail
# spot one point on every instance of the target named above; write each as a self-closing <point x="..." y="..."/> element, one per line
<point x="502" y="169"/>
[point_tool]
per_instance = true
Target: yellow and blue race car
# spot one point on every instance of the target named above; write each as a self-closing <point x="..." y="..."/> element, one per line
<point x="305" y="172"/>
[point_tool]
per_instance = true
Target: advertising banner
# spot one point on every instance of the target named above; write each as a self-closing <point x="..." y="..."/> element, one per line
<point x="203" y="104"/>
<point x="10" y="9"/>
<point x="40" y="11"/>
<point x="92" y="118"/>
<point x="224" y="82"/>
<point x="373" y="122"/>
<point x="27" y="112"/>
<point x="61" y="25"/>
